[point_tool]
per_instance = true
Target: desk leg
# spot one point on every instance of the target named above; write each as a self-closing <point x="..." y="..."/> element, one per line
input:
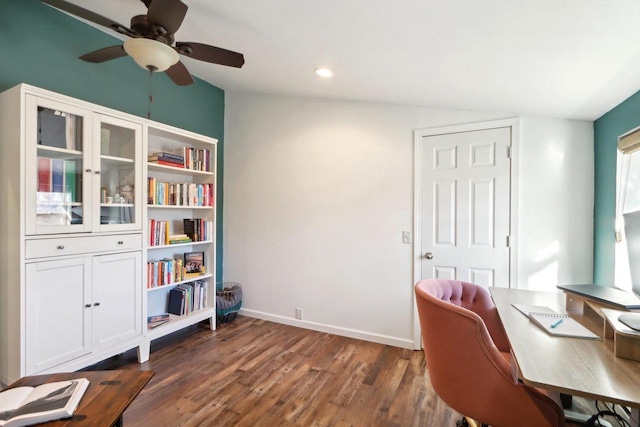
<point x="635" y="417"/>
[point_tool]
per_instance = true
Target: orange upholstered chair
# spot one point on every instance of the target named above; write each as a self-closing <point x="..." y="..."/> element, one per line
<point x="468" y="362"/>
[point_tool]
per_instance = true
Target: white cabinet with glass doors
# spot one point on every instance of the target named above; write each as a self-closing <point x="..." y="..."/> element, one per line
<point x="83" y="170"/>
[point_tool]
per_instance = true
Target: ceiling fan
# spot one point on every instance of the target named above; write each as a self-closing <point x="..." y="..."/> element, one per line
<point x="152" y="40"/>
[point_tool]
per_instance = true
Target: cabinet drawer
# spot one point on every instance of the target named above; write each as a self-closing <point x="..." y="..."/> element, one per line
<point x="81" y="245"/>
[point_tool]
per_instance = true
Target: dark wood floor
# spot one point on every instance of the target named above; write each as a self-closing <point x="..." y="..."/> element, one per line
<point x="256" y="373"/>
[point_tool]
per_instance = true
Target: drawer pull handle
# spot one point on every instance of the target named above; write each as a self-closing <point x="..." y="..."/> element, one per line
<point x="88" y="170"/>
<point x="96" y="304"/>
<point x="97" y="172"/>
<point x="87" y="305"/>
<point x="120" y="242"/>
<point x="60" y="247"/>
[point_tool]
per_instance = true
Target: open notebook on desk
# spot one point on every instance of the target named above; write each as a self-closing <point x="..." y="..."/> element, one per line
<point x="556" y="324"/>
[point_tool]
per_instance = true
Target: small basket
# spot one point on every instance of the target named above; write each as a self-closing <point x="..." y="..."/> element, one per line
<point x="228" y="301"/>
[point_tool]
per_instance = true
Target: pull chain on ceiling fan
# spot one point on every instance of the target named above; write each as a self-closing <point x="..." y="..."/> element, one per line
<point x="152" y="42"/>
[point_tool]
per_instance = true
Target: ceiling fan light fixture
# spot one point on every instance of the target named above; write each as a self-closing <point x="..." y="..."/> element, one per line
<point x="323" y="72"/>
<point x="150" y="53"/>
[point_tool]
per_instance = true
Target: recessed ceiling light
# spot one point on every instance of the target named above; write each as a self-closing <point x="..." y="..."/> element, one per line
<point x="323" y="72"/>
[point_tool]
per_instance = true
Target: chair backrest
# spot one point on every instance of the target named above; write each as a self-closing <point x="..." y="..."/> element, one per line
<point x="466" y="367"/>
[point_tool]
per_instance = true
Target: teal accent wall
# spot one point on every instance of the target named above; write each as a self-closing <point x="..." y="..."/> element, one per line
<point x="607" y="128"/>
<point x="40" y="46"/>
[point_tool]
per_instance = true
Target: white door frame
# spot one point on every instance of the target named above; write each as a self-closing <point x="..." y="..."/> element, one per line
<point x="417" y="208"/>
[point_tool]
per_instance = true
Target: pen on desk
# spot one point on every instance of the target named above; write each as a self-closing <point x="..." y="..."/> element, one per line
<point x="556" y="323"/>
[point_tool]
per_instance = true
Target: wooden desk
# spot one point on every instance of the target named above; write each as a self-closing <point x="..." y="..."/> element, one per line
<point x="579" y="367"/>
<point x="107" y="397"/>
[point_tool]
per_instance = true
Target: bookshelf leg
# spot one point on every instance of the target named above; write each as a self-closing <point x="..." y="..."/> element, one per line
<point x="143" y="351"/>
<point x="212" y="323"/>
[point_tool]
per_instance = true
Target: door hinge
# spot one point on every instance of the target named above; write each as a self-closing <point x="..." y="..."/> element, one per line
<point x="508" y="241"/>
<point x="508" y="151"/>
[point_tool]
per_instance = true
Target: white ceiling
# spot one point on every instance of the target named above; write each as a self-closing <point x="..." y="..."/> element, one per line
<point x="551" y="58"/>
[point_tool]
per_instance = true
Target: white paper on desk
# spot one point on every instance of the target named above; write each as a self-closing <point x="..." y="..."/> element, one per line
<point x="568" y="327"/>
<point x="527" y="309"/>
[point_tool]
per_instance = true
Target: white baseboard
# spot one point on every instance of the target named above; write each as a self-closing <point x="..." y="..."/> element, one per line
<point x="320" y="327"/>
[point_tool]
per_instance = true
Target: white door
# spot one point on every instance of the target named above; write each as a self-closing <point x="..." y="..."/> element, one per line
<point x="465" y="206"/>
<point x="58" y="314"/>
<point x="117" y="293"/>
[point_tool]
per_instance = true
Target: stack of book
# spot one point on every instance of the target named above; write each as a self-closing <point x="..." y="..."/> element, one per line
<point x="157" y="320"/>
<point x="166" y="159"/>
<point x="178" y="238"/>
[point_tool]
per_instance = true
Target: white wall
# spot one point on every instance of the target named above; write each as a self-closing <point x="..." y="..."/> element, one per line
<point x="317" y="193"/>
<point x="556" y="187"/>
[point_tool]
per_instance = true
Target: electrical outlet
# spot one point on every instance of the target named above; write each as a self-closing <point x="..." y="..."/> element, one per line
<point x="406" y="237"/>
<point x="299" y="313"/>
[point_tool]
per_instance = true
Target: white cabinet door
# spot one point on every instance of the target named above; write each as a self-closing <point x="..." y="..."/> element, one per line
<point x="117" y="293"/>
<point x="57" y="312"/>
<point x="117" y="183"/>
<point x="58" y="167"/>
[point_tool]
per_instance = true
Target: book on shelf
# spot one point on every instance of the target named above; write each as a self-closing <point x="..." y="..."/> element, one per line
<point x="25" y="406"/>
<point x="179" y="238"/>
<point x="163" y="155"/>
<point x="158" y="232"/>
<point x="198" y="229"/>
<point x="70" y="178"/>
<point x="57" y="175"/>
<point x="194" y="263"/>
<point x="179" y="194"/>
<point x="195" y="158"/>
<point x="176" y="301"/>
<point x="194" y="275"/>
<point x="164" y="272"/>
<point x="186" y="298"/>
<point x="179" y="241"/>
<point x="157" y="320"/>
<point x="44" y="174"/>
<point x="166" y="163"/>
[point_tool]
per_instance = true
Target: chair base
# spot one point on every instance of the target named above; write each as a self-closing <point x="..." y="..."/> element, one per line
<point x="469" y="422"/>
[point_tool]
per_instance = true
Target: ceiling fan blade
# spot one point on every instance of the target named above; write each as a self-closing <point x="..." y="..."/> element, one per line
<point x="215" y="55"/>
<point x="88" y="15"/>
<point x="179" y="74"/>
<point x="106" y="54"/>
<point x="168" y="14"/>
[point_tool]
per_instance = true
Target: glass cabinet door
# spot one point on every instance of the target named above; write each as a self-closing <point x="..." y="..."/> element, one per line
<point x="57" y="153"/>
<point x="120" y="148"/>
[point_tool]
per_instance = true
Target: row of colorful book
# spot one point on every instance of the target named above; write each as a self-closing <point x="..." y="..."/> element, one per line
<point x="165" y="272"/>
<point x="59" y="176"/>
<point x="198" y="229"/>
<point x="194" y="230"/>
<point x="178" y="194"/>
<point x="186" y="298"/>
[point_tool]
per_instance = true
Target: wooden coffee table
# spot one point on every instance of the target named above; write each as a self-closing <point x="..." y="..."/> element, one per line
<point x="108" y="396"/>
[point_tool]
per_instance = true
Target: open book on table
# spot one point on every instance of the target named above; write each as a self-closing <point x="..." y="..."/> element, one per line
<point x="556" y="324"/>
<point x="25" y="406"/>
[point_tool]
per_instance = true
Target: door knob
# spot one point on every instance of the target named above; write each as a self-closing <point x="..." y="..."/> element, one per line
<point x="428" y="255"/>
